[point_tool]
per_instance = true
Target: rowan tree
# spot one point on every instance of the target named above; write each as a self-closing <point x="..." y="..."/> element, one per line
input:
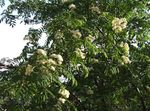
<point x="96" y="56"/>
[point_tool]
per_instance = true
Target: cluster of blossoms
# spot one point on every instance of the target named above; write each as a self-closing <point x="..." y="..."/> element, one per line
<point x="76" y="34"/>
<point x="53" y="61"/>
<point x="119" y="24"/>
<point x="28" y="70"/>
<point x="41" y="52"/>
<point x="72" y="6"/>
<point x="125" y="58"/>
<point x="79" y="53"/>
<point x="65" y="94"/>
<point x="125" y="48"/>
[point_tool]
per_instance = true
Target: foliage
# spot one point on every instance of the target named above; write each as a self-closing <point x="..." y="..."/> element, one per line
<point x="101" y="47"/>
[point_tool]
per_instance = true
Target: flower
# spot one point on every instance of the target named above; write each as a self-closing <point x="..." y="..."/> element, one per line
<point x="29" y="69"/>
<point x="52" y="68"/>
<point x="41" y="52"/>
<point x="123" y="23"/>
<point x="58" y="57"/>
<point x="125" y="47"/>
<point x="119" y="24"/>
<point x="72" y="6"/>
<point x="125" y="60"/>
<point x="62" y="100"/>
<point x="52" y="62"/>
<point x="80" y="53"/>
<point x="65" y="93"/>
<point x="76" y="34"/>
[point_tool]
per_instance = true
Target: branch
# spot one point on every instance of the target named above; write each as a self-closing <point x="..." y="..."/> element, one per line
<point x="3" y="66"/>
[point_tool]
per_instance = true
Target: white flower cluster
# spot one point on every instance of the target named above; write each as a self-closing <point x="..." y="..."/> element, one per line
<point x="119" y="24"/>
<point x="58" y="58"/>
<point x="41" y="52"/>
<point x="76" y="34"/>
<point x="52" y="62"/>
<point x="65" y="94"/>
<point x="125" y="47"/>
<point x="80" y="53"/>
<point x="55" y="59"/>
<point x="72" y="6"/>
<point x="28" y="70"/>
<point x="125" y="58"/>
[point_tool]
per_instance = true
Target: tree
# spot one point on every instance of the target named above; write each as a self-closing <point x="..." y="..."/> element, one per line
<point x="101" y="47"/>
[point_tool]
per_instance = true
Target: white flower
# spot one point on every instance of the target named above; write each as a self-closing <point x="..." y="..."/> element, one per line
<point x="125" y="60"/>
<point x="54" y="56"/>
<point x="29" y="69"/>
<point x="72" y="6"/>
<point x="80" y="53"/>
<point x="119" y="24"/>
<point x="52" y="62"/>
<point x="41" y="52"/>
<point x="121" y="44"/>
<point x="62" y="100"/>
<point x="123" y="23"/>
<point x="65" y="93"/>
<point x="76" y="34"/>
<point x="52" y="68"/>
<point x="115" y="21"/>
<point x="58" y="57"/>
<point x="117" y="29"/>
<point x="125" y="47"/>
<point x="42" y="61"/>
<point x="59" y="62"/>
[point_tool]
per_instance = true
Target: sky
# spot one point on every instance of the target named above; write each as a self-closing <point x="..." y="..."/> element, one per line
<point x="11" y="39"/>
